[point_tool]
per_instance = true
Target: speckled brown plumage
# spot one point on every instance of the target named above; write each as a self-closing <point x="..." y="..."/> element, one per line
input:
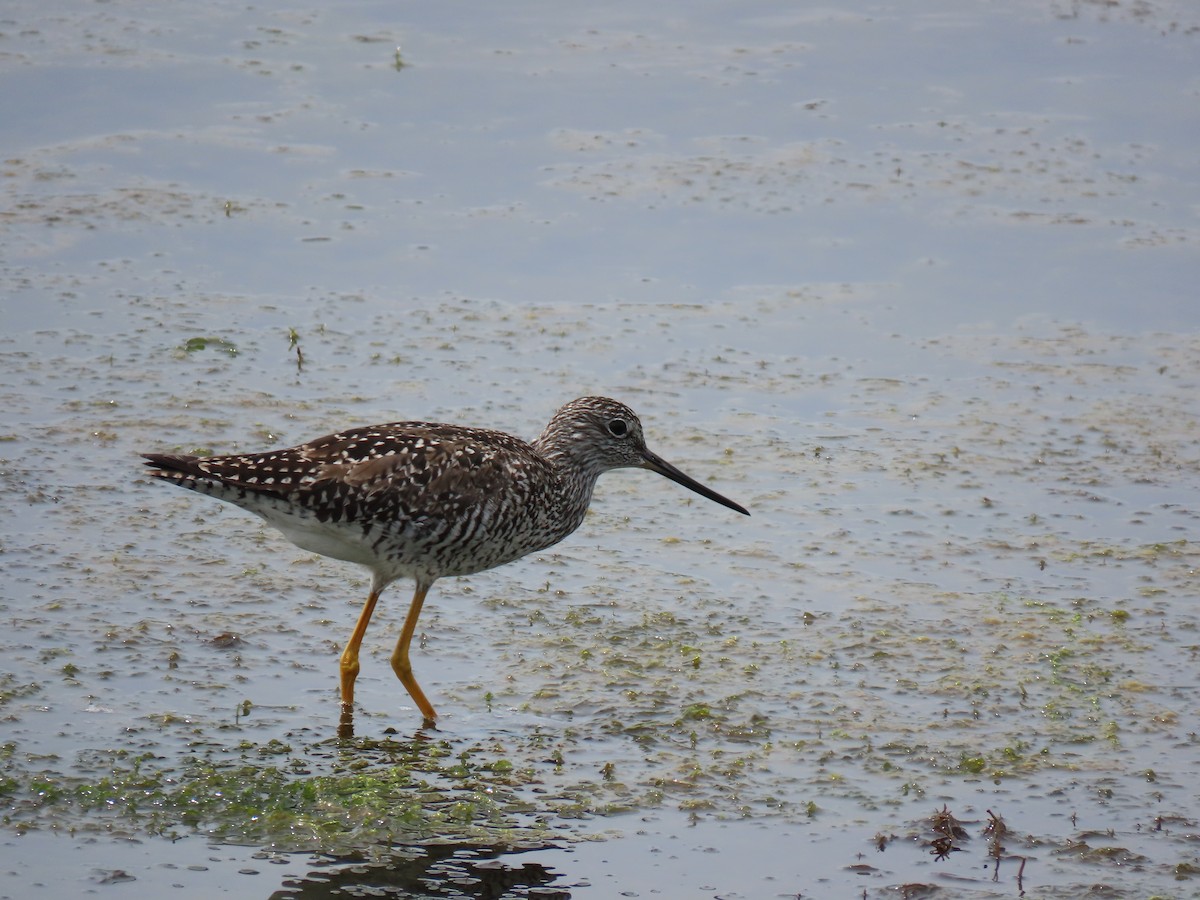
<point x="423" y="500"/>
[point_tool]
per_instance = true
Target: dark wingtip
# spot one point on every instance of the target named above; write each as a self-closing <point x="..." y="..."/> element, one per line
<point x="168" y="462"/>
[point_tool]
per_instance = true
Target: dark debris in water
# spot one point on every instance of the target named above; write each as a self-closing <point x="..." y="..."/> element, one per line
<point x="115" y="876"/>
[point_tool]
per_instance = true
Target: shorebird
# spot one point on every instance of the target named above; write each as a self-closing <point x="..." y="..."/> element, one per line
<point x="425" y="501"/>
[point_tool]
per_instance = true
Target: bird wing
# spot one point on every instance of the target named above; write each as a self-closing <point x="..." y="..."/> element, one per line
<point x="420" y="476"/>
<point x="413" y="471"/>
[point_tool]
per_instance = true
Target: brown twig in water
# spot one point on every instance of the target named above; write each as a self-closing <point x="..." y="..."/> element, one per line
<point x="948" y="830"/>
<point x="994" y="831"/>
<point x="294" y="344"/>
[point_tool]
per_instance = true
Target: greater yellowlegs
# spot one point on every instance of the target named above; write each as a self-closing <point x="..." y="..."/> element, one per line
<point x="421" y="500"/>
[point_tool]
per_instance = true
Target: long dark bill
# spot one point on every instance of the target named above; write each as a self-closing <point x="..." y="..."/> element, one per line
<point x="656" y="463"/>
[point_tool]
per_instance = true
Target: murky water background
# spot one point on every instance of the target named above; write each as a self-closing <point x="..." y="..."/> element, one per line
<point x="915" y="284"/>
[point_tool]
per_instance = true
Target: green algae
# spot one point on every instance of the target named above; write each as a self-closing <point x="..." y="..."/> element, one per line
<point x="376" y="792"/>
<point x="196" y="344"/>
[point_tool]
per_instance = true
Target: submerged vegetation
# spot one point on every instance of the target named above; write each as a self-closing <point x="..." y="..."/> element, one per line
<point x="369" y="792"/>
<point x="1058" y="678"/>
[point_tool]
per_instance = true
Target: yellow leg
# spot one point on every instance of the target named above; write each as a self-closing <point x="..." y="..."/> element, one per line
<point x="349" y="664"/>
<point x="400" y="664"/>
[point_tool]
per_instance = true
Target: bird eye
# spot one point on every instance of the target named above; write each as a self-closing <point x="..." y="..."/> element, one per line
<point x="618" y="428"/>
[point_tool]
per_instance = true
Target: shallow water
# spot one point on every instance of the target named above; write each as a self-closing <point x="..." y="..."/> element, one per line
<point x="915" y="287"/>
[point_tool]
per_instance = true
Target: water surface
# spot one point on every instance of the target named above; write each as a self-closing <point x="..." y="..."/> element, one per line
<point x="916" y="285"/>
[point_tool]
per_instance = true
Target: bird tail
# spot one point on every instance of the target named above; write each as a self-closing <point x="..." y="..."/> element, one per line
<point x="197" y="473"/>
